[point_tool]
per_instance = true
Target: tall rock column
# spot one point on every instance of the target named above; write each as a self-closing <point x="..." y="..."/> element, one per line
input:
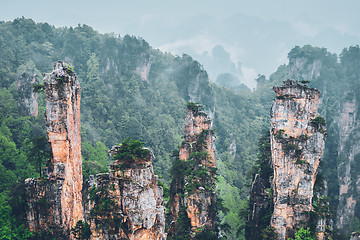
<point x="59" y="193"/>
<point x="192" y="193"/>
<point x="297" y="144"/>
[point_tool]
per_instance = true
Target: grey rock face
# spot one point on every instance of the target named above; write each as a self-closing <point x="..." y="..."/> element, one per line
<point x="302" y="69"/>
<point x="137" y="200"/>
<point x="297" y="145"/>
<point x="27" y="97"/>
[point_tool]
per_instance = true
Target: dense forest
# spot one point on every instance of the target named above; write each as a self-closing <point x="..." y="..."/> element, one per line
<point x="131" y="90"/>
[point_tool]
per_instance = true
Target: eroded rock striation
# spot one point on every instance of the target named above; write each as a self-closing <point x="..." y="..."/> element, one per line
<point x="192" y="193"/>
<point x="297" y="144"/>
<point x="55" y="201"/>
<point x="127" y="202"/>
<point x="348" y="168"/>
<point x="27" y="97"/>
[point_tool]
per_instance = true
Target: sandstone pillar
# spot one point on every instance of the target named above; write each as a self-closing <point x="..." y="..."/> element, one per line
<point x="297" y="144"/>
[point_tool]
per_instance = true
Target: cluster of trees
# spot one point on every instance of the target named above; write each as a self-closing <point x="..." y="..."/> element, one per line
<point x="132" y="90"/>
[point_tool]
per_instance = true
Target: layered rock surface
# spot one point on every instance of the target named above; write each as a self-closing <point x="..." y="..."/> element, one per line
<point x="190" y="192"/>
<point x="127" y="202"/>
<point x="297" y="144"/>
<point x="55" y="202"/>
<point x="27" y="97"/>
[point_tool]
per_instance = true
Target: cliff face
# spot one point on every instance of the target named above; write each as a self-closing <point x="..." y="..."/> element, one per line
<point x="297" y="144"/>
<point x="348" y="160"/>
<point x="55" y="202"/>
<point x="126" y="203"/>
<point x="27" y="97"/>
<point x="192" y="192"/>
<point x="303" y="69"/>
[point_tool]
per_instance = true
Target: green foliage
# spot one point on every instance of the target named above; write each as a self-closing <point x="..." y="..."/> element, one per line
<point x="183" y="225"/>
<point x="194" y="107"/>
<point x="303" y="234"/>
<point x="303" y="137"/>
<point x="355" y="225"/>
<point x="131" y="150"/>
<point x="289" y="146"/>
<point x="206" y="235"/>
<point x="38" y="88"/>
<point x="42" y="205"/>
<point x="39" y="151"/>
<point x="81" y="230"/>
<point x="257" y="227"/>
<point x="103" y="204"/>
<point x="9" y="228"/>
<point x="166" y="190"/>
<point x="269" y="233"/>
<point x="95" y="158"/>
<point x="319" y="122"/>
<point x="307" y="52"/>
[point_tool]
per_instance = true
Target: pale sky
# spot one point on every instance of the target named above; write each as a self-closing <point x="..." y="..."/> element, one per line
<point x="117" y="15"/>
<point x="257" y="34"/>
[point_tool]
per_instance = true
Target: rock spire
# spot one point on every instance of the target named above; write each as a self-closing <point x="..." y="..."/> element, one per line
<point x="192" y="192"/>
<point x="55" y="201"/>
<point x="297" y="144"/>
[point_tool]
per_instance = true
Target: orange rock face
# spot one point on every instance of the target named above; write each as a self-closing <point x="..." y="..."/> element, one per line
<point x="188" y="191"/>
<point x="297" y="144"/>
<point x="62" y="189"/>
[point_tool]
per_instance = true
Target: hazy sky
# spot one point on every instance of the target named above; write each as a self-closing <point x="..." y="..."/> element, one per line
<point x="257" y="34"/>
<point x="117" y="15"/>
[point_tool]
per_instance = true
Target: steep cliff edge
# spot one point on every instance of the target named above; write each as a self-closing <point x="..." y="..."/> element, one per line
<point x="297" y="144"/>
<point x="192" y="193"/>
<point x="127" y="202"/>
<point x="55" y="201"/>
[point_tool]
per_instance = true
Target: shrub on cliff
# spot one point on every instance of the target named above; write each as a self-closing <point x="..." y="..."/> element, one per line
<point x="318" y="122"/>
<point x="131" y="149"/>
<point x="303" y="234"/>
<point x="81" y="230"/>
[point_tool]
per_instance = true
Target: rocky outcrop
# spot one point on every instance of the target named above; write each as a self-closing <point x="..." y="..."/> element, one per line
<point x="127" y="202"/>
<point x="27" y="97"/>
<point x="55" y="202"/>
<point x="297" y="144"/>
<point x="304" y="69"/>
<point x="144" y="68"/>
<point x="192" y="193"/>
<point x="348" y="160"/>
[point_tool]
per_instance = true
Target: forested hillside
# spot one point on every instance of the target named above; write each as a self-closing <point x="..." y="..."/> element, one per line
<point x="130" y="89"/>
